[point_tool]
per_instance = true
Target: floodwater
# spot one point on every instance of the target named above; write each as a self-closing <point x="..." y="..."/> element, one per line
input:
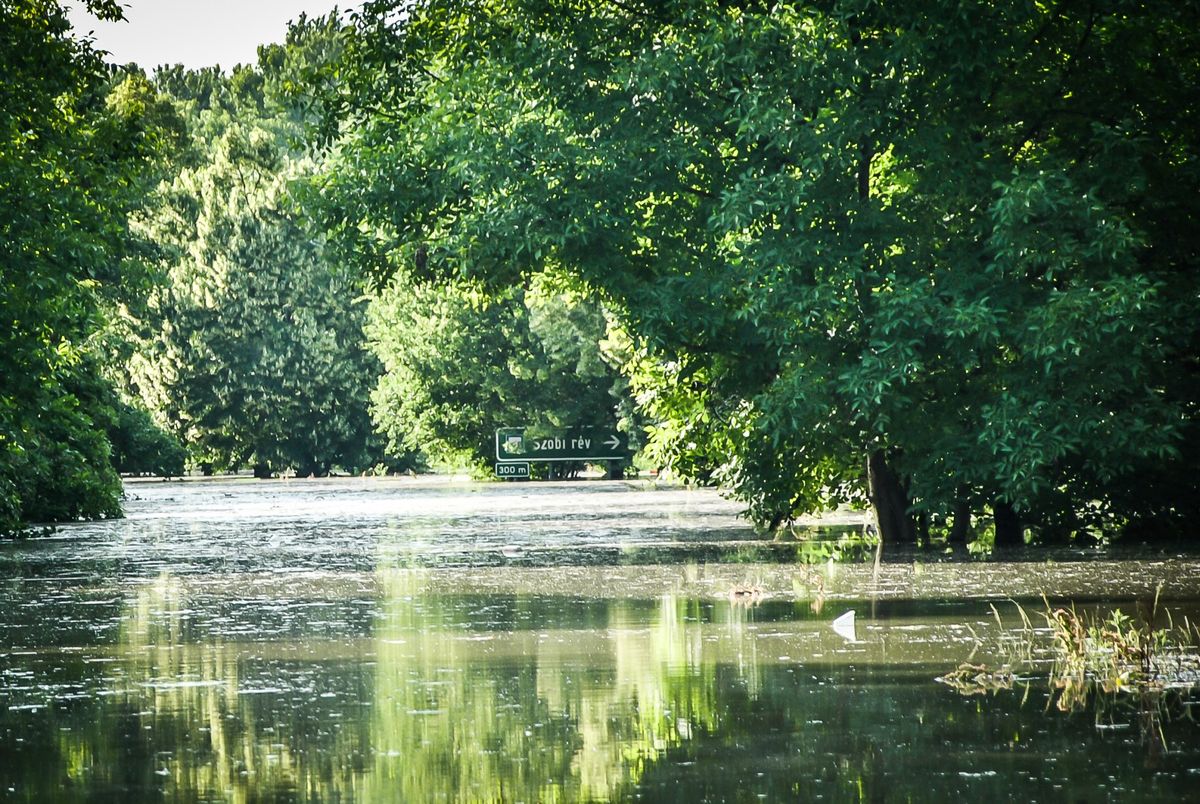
<point x="384" y="640"/>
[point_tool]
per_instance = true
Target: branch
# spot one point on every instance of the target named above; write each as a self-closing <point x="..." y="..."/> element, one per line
<point x="1050" y="20"/>
<point x="1035" y="128"/>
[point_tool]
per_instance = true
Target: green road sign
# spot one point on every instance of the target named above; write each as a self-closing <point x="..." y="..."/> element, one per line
<point x="560" y="444"/>
<point x="512" y="470"/>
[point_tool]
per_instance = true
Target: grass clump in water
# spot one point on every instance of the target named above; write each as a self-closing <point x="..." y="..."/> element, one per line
<point x="1120" y="653"/>
<point x="1143" y="668"/>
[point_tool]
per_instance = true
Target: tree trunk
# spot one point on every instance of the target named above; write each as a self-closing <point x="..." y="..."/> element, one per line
<point x="889" y="498"/>
<point x="312" y="468"/>
<point x="262" y="471"/>
<point x="960" y="528"/>
<point x="1009" y="532"/>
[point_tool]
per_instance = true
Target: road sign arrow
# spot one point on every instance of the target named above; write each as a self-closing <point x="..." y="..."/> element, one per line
<point x="613" y="442"/>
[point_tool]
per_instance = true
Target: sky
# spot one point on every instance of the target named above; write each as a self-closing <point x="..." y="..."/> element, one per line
<point x="194" y="33"/>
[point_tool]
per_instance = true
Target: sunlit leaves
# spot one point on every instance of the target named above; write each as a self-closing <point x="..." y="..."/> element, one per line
<point x="69" y="171"/>
<point x="252" y="350"/>
<point x="828" y="229"/>
<point x="460" y="363"/>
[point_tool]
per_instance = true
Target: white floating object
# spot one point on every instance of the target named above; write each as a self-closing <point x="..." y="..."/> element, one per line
<point x="843" y="626"/>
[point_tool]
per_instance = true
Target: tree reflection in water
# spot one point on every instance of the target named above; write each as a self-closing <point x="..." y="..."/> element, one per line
<point x="395" y="685"/>
<point x="535" y="715"/>
<point x="445" y="698"/>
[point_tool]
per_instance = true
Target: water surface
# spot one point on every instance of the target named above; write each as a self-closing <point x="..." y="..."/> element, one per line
<point x="379" y="640"/>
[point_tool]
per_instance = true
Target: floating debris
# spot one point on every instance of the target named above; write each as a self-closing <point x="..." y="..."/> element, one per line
<point x="843" y="626"/>
<point x="977" y="679"/>
<point x="744" y="595"/>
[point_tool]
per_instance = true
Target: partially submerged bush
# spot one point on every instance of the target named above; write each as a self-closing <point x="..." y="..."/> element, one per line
<point x="141" y="447"/>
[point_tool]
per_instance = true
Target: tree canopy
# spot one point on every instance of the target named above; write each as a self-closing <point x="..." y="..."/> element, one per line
<point x="941" y="249"/>
<point x="251" y="351"/>
<point x="460" y="363"/>
<point x="936" y="258"/>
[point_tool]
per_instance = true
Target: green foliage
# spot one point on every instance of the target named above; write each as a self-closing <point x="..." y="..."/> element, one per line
<point x="460" y="363"/>
<point x="252" y="351"/>
<point x="300" y="77"/>
<point x="928" y="233"/>
<point x="141" y="447"/>
<point x="285" y="90"/>
<point x="74" y="144"/>
<point x="55" y="468"/>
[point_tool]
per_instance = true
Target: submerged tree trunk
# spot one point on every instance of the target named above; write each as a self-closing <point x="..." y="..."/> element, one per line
<point x="1009" y="532"/>
<point x="312" y="468"/>
<point x="889" y="498"/>
<point x="960" y="528"/>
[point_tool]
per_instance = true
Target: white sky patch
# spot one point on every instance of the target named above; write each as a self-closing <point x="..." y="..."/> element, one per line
<point x="194" y="33"/>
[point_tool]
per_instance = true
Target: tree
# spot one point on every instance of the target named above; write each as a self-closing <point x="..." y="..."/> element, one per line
<point x="460" y="363"/>
<point x="73" y="146"/>
<point x="252" y="352"/>
<point x="141" y="447"/>
<point x="914" y="245"/>
<point x="252" y="349"/>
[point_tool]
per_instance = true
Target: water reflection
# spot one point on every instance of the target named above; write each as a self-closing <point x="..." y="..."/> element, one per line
<point x="325" y="665"/>
<point x="526" y="698"/>
<point x="545" y="712"/>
